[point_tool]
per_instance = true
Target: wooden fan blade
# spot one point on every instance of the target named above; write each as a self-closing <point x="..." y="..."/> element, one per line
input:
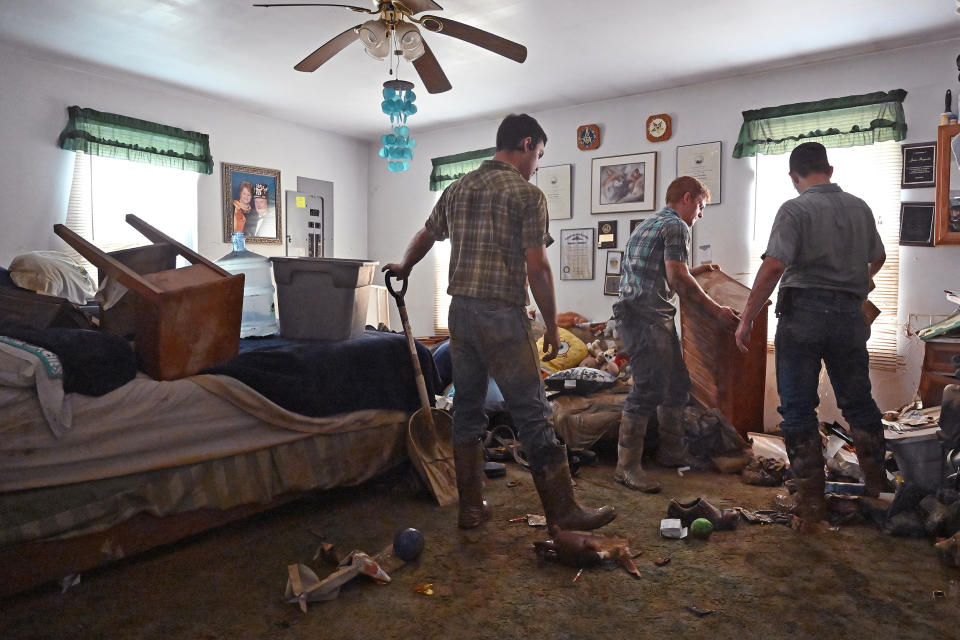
<point x="418" y="6"/>
<point x="316" y="4"/>
<point x="434" y="79"/>
<point x="328" y="50"/>
<point x="479" y="37"/>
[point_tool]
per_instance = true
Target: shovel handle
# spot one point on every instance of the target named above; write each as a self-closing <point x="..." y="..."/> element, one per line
<point x="397" y="295"/>
<point x="411" y="343"/>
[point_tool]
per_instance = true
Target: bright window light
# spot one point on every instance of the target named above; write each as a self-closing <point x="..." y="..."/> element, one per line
<point x="871" y="172"/>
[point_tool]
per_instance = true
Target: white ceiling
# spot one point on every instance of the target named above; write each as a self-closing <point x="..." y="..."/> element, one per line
<point x="579" y="50"/>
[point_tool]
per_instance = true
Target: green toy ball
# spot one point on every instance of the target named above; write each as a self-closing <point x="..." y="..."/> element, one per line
<point x="701" y="528"/>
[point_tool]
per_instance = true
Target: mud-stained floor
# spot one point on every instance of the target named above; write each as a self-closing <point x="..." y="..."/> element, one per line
<point x="762" y="581"/>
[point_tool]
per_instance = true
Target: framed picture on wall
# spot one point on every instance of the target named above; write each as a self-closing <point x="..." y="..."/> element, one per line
<point x="916" y="224"/>
<point x="607" y="234"/>
<point x="701" y="161"/>
<point x="624" y="183"/>
<point x="919" y="165"/>
<point x="611" y="285"/>
<point x="614" y="263"/>
<point x="634" y="223"/>
<point x="576" y="254"/>
<point x="251" y="203"/>
<point x="555" y="184"/>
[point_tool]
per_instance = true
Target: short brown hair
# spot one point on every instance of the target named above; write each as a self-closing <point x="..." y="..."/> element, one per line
<point x="809" y="157"/>
<point x="687" y="184"/>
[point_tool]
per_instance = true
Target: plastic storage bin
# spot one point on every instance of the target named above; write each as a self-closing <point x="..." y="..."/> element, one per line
<point x="919" y="456"/>
<point x="322" y="298"/>
<point x="259" y="317"/>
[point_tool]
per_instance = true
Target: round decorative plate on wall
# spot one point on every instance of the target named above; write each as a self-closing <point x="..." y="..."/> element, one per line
<point x="588" y="137"/>
<point x="658" y="128"/>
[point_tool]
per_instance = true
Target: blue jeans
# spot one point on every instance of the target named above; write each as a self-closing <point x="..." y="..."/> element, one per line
<point x="815" y="325"/>
<point x="491" y="338"/>
<point x="656" y="361"/>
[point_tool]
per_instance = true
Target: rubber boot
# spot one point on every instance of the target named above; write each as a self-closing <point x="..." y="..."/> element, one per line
<point x="673" y="449"/>
<point x="871" y="447"/>
<point x="551" y="476"/>
<point x="629" y="472"/>
<point x="468" y="460"/>
<point x="805" y="451"/>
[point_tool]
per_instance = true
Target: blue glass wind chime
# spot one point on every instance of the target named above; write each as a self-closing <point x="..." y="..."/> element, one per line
<point x="398" y="98"/>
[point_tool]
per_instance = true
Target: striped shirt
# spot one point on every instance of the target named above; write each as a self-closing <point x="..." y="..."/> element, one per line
<point x="492" y="216"/>
<point x="643" y="282"/>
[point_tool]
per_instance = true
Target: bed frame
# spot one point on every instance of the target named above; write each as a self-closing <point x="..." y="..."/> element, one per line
<point x="32" y="564"/>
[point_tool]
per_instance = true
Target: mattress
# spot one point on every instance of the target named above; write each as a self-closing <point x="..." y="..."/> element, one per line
<point x="71" y="463"/>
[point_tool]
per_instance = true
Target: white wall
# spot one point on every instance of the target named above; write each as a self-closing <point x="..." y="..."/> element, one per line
<point x="399" y="203"/>
<point x="35" y="174"/>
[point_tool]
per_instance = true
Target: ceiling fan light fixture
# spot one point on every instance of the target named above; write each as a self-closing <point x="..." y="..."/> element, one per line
<point x="410" y="41"/>
<point x="374" y="36"/>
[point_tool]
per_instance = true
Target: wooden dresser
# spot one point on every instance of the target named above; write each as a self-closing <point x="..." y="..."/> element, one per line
<point x="721" y="376"/>
<point x="938" y="370"/>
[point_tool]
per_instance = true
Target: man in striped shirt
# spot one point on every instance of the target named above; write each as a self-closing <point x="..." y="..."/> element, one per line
<point x="654" y="268"/>
<point x="497" y="225"/>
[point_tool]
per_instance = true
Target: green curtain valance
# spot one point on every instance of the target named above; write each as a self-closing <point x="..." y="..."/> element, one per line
<point x="836" y="122"/>
<point x="115" y="136"/>
<point x="450" y="168"/>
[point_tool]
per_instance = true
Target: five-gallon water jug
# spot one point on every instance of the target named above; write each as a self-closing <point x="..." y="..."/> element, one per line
<point x="259" y="315"/>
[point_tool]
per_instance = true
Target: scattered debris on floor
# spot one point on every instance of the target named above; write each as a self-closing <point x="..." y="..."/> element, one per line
<point x="303" y="584"/>
<point x="583" y="549"/>
<point x="672" y="528"/>
<point x="697" y="611"/>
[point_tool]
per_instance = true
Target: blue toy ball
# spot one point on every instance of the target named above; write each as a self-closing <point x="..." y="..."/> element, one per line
<point x="408" y="544"/>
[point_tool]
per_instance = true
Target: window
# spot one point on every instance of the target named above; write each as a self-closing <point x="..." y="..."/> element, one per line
<point x="871" y="172"/>
<point x="105" y="190"/>
<point x="441" y="300"/>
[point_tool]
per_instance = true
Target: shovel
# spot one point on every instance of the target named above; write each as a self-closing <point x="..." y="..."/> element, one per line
<point x="429" y="432"/>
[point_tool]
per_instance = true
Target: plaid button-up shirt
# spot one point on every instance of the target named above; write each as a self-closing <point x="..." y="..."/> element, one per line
<point x="492" y="216"/>
<point x="643" y="282"/>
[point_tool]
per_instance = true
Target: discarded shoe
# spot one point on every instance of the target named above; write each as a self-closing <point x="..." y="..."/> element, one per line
<point x="494" y="469"/>
<point x="722" y="520"/>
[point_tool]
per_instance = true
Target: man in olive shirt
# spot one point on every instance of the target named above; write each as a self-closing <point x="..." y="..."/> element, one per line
<point x="825" y="246"/>
<point x="497" y="225"/>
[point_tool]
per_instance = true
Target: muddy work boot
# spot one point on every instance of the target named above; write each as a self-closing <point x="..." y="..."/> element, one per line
<point x="629" y="472"/>
<point x="871" y="448"/>
<point x="551" y="475"/>
<point x="673" y="450"/>
<point x="468" y="460"/>
<point x="805" y="451"/>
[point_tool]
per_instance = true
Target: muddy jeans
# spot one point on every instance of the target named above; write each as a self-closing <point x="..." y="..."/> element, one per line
<point x="490" y="338"/>
<point x="656" y="361"/>
<point x="815" y="325"/>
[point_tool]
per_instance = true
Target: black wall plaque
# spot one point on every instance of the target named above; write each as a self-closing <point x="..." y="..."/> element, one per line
<point x="919" y="165"/>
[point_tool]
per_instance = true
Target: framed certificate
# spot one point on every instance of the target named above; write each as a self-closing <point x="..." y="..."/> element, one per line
<point x="555" y="184"/>
<point x="576" y="254"/>
<point x="701" y="161"/>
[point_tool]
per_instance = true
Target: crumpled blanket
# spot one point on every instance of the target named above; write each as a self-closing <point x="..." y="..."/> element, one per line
<point x="94" y="362"/>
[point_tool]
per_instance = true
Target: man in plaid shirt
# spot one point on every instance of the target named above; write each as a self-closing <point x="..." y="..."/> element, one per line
<point x="497" y="225"/>
<point x="654" y="268"/>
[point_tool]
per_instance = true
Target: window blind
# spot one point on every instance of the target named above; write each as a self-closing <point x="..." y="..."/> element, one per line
<point x="872" y="173"/>
<point x="447" y="169"/>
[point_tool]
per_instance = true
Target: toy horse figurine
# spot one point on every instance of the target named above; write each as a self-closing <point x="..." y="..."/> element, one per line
<point x="583" y="549"/>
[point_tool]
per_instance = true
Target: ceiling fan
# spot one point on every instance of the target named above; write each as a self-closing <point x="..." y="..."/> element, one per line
<point x="396" y="26"/>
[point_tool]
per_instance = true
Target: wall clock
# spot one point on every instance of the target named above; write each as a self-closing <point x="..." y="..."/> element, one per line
<point x="588" y="137"/>
<point x="658" y="128"/>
